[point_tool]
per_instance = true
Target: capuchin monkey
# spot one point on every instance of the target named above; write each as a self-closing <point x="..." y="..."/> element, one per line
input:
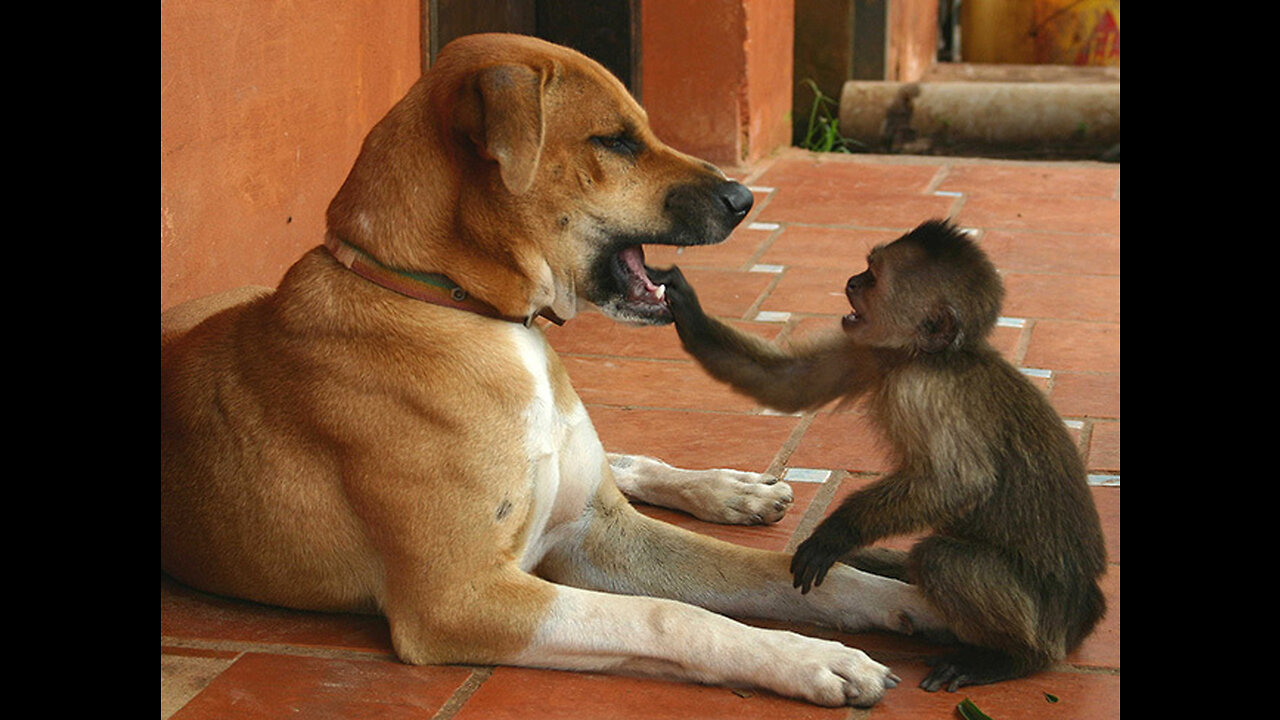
<point x="981" y="457"/>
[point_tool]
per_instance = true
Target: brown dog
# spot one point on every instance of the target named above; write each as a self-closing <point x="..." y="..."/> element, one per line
<point x="373" y="437"/>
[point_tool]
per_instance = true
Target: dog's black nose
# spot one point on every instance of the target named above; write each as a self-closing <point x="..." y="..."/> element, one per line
<point x="737" y="198"/>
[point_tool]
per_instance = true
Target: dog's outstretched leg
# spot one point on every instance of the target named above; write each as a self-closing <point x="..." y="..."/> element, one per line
<point x="502" y="615"/>
<point x="729" y="497"/>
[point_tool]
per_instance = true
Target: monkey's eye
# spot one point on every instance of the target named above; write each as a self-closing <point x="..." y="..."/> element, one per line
<point x="619" y="144"/>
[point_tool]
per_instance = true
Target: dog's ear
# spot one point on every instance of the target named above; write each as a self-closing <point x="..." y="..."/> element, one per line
<point x="506" y="121"/>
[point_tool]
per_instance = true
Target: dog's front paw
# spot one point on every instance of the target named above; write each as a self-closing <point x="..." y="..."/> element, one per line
<point x="733" y="497"/>
<point x="730" y="497"/>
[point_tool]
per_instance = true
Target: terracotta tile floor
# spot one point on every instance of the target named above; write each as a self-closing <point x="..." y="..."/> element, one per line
<point x="1054" y="231"/>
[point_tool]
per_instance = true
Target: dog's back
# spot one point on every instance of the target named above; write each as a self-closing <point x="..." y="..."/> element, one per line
<point x="180" y="319"/>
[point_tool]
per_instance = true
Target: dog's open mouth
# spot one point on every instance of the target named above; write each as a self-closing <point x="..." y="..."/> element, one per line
<point x="623" y="288"/>
<point x="633" y="278"/>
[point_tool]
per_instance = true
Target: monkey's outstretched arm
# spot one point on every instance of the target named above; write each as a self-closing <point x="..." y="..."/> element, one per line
<point x="786" y="381"/>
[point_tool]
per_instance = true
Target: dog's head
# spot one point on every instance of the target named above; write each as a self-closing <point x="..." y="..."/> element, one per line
<point x="528" y="174"/>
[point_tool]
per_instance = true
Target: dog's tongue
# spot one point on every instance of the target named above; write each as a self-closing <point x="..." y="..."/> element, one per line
<point x="639" y="286"/>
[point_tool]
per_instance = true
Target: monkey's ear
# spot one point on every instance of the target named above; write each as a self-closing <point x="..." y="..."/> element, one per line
<point x="940" y="329"/>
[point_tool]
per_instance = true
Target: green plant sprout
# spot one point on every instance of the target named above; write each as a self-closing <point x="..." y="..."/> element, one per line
<point x="823" y="133"/>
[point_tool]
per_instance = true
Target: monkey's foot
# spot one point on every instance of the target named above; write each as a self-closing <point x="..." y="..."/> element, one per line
<point x="969" y="666"/>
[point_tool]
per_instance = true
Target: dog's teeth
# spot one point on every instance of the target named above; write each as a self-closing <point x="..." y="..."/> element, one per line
<point x="661" y="292"/>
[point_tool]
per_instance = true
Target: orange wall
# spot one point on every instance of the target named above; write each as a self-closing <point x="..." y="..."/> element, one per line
<point x="770" y="61"/>
<point x="263" y="105"/>
<point x="912" y="33"/>
<point x="716" y="75"/>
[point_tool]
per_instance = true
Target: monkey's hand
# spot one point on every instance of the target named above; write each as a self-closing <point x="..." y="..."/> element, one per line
<point x="691" y="321"/>
<point x="832" y="540"/>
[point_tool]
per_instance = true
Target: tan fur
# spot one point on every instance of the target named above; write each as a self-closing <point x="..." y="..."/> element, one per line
<point x="334" y="445"/>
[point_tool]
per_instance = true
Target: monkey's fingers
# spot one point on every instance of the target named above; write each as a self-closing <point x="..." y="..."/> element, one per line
<point x="672" y="277"/>
<point x="810" y="576"/>
<point x="810" y="564"/>
<point x="679" y="292"/>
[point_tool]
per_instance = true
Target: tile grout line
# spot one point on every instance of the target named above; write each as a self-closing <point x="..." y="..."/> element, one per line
<point x="939" y="176"/>
<point x="242" y="648"/>
<point x="789" y="445"/>
<point x="754" y="309"/>
<point x="764" y="246"/>
<point x="760" y="168"/>
<point x="1085" y="443"/>
<point x="1024" y="342"/>
<point x="817" y="509"/>
<point x="464" y="693"/>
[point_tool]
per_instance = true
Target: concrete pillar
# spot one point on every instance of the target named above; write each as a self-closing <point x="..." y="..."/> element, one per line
<point x="716" y="75"/>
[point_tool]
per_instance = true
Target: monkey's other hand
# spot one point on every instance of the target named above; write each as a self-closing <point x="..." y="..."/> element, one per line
<point x="815" y="556"/>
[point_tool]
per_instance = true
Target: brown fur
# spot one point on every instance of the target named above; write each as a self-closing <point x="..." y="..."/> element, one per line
<point x="982" y="458"/>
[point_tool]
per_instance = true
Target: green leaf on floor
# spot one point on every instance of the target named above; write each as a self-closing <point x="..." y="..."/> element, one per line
<point x="969" y="711"/>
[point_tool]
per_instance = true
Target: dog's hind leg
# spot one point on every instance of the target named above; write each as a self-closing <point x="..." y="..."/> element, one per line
<point x="642" y="635"/>
<point x="505" y="616"/>
<point x="731" y="497"/>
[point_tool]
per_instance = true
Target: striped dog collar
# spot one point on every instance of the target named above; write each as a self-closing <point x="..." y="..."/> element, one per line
<point x="433" y="288"/>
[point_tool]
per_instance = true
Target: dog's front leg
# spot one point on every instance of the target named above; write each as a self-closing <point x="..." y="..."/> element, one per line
<point x="730" y="497"/>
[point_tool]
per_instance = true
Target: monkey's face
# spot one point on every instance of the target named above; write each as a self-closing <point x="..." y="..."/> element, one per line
<point x="871" y="294"/>
<point x="892" y="298"/>
<point x="931" y="290"/>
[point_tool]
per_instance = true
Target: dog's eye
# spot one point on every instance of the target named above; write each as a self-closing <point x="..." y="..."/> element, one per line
<point x="618" y="144"/>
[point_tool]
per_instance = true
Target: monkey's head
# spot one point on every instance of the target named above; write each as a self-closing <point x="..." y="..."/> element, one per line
<point x="932" y="290"/>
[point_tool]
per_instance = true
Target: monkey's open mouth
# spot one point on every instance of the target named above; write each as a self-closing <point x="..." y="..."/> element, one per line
<point x="854" y="317"/>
